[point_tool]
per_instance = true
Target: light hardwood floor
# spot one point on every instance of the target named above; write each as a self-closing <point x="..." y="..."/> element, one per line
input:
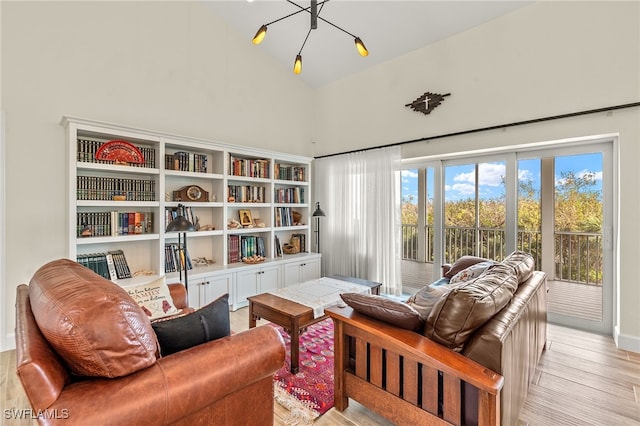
<point x="582" y="379"/>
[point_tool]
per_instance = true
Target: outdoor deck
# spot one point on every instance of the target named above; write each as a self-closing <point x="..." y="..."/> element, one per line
<point x="570" y="299"/>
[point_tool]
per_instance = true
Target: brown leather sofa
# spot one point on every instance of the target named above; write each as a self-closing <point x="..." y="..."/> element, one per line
<point x="410" y="378"/>
<point x="92" y="324"/>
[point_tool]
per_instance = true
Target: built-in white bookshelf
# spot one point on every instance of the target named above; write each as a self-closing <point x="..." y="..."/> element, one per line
<point x="218" y="184"/>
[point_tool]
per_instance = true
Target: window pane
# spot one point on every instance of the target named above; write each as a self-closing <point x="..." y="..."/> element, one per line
<point x="491" y="210"/>
<point x="409" y="193"/>
<point x="459" y="211"/>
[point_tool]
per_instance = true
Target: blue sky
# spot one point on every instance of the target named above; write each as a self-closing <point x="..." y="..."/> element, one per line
<point x="460" y="180"/>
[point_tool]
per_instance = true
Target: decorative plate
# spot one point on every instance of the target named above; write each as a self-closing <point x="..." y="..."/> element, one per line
<point x="120" y="152"/>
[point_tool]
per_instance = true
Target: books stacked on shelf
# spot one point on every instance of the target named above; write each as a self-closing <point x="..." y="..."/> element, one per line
<point x="239" y="246"/>
<point x="289" y="195"/>
<point x="249" y="167"/>
<point x="251" y="245"/>
<point x="285" y="172"/>
<point x="233" y="249"/>
<point x="302" y="241"/>
<point x="176" y="258"/>
<point x="186" y="162"/>
<point x="106" y="188"/>
<point x="247" y="193"/>
<point x="111" y="265"/>
<point x="284" y="216"/>
<point x="87" y="149"/>
<point x="171" y="213"/>
<point x="112" y="224"/>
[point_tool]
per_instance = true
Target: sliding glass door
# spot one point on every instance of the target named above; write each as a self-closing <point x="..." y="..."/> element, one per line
<point x="555" y="203"/>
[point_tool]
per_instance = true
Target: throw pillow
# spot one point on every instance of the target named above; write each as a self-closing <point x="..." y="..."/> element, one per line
<point x="154" y="298"/>
<point x="384" y="309"/>
<point x="523" y="263"/>
<point x="203" y="325"/>
<point x="468" y="306"/>
<point x="424" y="299"/>
<point x="91" y="322"/>
<point x="473" y="271"/>
<point x="463" y="263"/>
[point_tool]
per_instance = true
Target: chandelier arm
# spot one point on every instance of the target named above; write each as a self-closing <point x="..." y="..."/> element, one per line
<point x="309" y="32"/>
<point x="319" y="17"/>
<point x="335" y="26"/>
<point x="289" y="15"/>
<point x="304" y="42"/>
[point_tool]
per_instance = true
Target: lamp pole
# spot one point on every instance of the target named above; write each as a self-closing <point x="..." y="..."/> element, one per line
<point x="181" y="225"/>
<point x="317" y="214"/>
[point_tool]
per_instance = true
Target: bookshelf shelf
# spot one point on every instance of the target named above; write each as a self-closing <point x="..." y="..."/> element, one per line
<point x="117" y="240"/>
<point x="118" y="169"/>
<point x="274" y="183"/>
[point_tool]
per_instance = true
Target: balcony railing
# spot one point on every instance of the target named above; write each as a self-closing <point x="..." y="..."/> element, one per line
<point x="578" y="255"/>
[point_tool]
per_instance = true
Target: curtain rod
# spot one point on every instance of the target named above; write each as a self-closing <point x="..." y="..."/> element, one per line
<point x="484" y="129"/>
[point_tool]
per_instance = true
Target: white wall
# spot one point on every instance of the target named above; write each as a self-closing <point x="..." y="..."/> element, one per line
<point x="167" y="66"/>
<point x="545" y="59"/>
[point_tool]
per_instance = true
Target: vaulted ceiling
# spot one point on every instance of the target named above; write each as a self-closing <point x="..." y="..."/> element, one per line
<point x="388" y="28"/>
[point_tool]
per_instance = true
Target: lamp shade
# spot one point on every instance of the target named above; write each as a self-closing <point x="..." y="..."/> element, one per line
<point x="180" y="223"/>
<point x="260" y="35"/>
<point x="362" y="49"/>
<point x="318" y="212"/>
<point x="297" y="65"/>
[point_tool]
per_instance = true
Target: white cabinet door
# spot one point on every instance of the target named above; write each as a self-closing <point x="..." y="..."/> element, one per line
<point x="246" y="285"/>
<point x="269" y="278"/>
<point x="301" y="271"/>
<point x="213" y="287"/>
<point x="310" y="270"/>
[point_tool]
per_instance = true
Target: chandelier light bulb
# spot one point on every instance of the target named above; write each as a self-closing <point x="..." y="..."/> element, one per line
<point x="297" y="65"/>
<point x="362" y="49"/>
<point x="260" y="35"/>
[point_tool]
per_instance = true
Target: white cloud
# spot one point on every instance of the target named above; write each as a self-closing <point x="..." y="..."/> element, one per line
<point x="525" y="175"/>
<point x="410" y="173"/>
<point x="464" y="188"/>
<point x="490" y="174"/>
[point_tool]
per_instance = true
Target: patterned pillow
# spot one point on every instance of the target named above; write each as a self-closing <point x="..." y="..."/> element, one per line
<point x="471" y="272"/>
<point x="154" y="298"/>
<point x="463" y="263"/>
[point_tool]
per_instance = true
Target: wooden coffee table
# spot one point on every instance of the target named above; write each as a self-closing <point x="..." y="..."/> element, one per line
<point x="293" y="317"/>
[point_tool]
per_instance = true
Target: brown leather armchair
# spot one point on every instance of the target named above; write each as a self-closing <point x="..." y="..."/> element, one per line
<point x="225" y="381"/>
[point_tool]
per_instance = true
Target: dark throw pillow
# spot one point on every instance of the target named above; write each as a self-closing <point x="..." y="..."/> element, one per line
<point x="384" y="309"/>
<point x="207" y="323"/>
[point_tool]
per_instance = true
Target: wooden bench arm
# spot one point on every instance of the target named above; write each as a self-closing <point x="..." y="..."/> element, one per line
<point x="380" y="348"/>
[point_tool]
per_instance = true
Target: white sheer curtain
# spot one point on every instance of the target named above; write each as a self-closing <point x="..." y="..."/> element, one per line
<point x="360" y="234"/>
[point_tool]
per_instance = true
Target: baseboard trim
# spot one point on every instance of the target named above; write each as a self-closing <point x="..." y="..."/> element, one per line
<point x="626" y="342"/>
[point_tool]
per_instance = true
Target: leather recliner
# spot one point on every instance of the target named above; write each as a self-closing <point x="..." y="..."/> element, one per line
<point x="225" y="381"/>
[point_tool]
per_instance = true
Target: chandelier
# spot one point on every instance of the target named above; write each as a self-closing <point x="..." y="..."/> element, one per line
<point x="315" y="15"/>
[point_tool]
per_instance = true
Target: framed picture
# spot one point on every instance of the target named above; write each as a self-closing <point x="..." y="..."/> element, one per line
<point x="245" y="217"/>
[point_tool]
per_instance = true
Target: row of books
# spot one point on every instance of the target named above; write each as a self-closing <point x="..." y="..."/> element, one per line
<point x="87" y="149"/>
<point x="113" y="223"/>
<point x="171" y="213"/>
<point x="249" y="167"/>
<point x="289" y="195"/>
<point x="299" y="240"/>
<point x="111" y="265"/>
<point x="247" y="193"/>
<point x="105" y="188"/>
<point x="295" y="173"/>
<point x="239" y="246"/>
<point x="186" y="162"/>
<point x="284" y="216"/>
<point x="176" y="258"/>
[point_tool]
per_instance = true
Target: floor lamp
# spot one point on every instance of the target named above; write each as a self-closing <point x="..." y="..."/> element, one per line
<point x="317" y="214"/>
<point x="181" y="225"/>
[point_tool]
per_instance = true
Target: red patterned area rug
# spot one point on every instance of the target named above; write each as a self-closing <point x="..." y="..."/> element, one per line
<point x="309" y="393"/>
